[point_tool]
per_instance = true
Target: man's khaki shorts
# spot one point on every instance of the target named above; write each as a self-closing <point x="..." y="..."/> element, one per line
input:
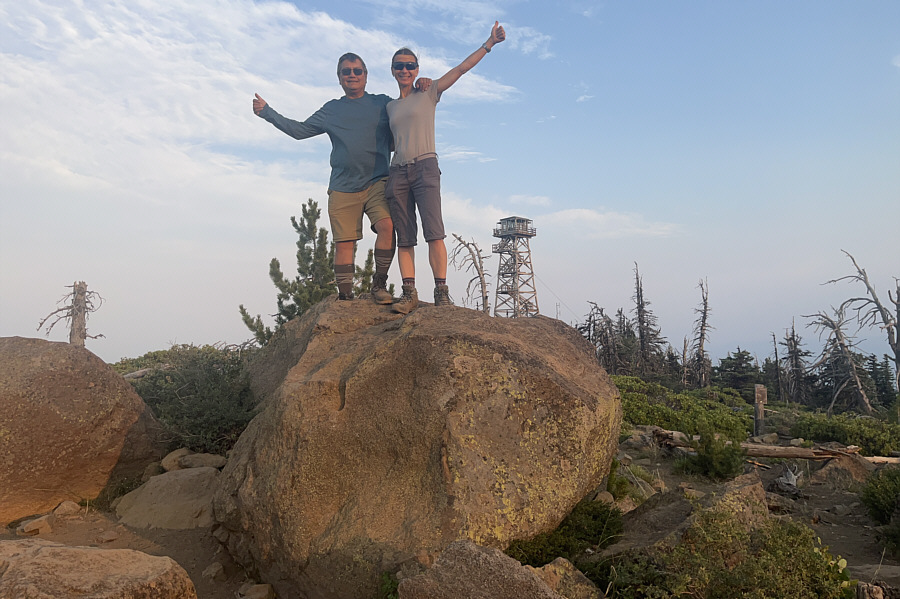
<point x="345" y="210"/>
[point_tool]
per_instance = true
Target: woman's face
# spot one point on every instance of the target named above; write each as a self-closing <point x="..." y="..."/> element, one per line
<point x="403" y="75"/>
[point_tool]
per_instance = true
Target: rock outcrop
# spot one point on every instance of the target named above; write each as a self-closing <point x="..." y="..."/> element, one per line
<point x="382" y="439"/>
<point x="662" y="520"/>
<point x="467" y="570"/>
<point x="66" y="421"/>
<point x="39" y="569"/>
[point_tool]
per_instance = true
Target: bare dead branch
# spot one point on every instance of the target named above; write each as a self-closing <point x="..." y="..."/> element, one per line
<point x="468" y="256"/>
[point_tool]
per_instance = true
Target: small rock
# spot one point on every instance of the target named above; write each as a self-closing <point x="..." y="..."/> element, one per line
<point x="565" y="580"/>
<point x="779" y="504"/>
<point x="605" y="497"/>
<point x="258" y="591"/>
<point x="202" y="460"/>
<point x="770" y="439"/>
<point x="67" y="508"/>
<point x="626" y="504"/>
<point x="38" y="526"/>
<point x="108" y="536"/>
<point x="221" y="534"/>
<point x="840" y="510"/>
<point x="215" y="571"/>
<point x="171" y="461"/>
<point x="154" y="469"/>
<point x="694" y="494"/>
<point x="797" y="442"/>
<point x="624" y="458"/>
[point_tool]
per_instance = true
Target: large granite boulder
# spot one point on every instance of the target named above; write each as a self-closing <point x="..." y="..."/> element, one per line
<point x="175" y="500"/>
<point x="38" y="569"/>
<point x="382" y="439"/>
<point x="67" y="419"/>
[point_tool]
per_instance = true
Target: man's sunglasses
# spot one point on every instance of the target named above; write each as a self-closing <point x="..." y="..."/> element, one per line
<point x="346" y="71"/>
<point x="409" y="66"/>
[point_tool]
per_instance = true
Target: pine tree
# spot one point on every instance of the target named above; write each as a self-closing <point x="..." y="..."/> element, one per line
<point x="314" y="280"/>
<point x="738" y="370"/>
<point x="362" y="280"/>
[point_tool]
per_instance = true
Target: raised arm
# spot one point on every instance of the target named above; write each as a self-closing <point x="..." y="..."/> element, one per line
<point x="314" y="125"/>
<point x="453" y="75"/>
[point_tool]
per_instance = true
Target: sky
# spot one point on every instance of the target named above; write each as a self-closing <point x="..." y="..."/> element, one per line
<point x="745" y="144"/>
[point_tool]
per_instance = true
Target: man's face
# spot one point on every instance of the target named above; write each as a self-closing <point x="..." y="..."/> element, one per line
<point x="352" y="76"/>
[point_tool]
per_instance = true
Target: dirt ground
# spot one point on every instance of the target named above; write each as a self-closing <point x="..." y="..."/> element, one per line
<point x="831" y="507"/>
<point x="193" y="549"/>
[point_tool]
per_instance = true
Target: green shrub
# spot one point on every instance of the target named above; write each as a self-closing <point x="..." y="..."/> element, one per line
<point x="650" y="403"/>
<point x="874" y="437"/>
<point x="715" y="457"/>
<point x="618" y="486"/>
<point x="201" y="395"/>
<point x="590" y="524"/>
<point x="387" y="586"/>
<point x="881" y="493"/>
<point x="719" y="559"/>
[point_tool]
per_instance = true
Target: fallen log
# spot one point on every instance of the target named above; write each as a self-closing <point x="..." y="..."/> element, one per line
<point x="755" y="450"/>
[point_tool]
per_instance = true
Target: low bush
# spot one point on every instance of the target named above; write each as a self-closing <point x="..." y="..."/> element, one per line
<point x="881" y="493"/>
<point x="718" y="559"/>
<point x="201" y="395"/>
<point x="650" y="403"/>
<point x="590" y="524"/>
<point x="716" y="457"/>
<point x="874" y="437"/>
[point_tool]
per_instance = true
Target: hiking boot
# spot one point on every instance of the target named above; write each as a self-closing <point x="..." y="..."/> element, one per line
<point x="408" y="301"/>
<point x="345" y="296"/>
<point x="442" y="296"/>
<point x="380" y="294"/>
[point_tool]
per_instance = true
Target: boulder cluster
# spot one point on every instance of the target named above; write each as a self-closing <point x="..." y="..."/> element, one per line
<point x="415" y="446"/>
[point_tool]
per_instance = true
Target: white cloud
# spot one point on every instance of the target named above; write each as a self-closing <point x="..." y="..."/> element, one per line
<point x="530" y="200"/>
<point x="593" y="224"/>
<point x="583" y="98"/>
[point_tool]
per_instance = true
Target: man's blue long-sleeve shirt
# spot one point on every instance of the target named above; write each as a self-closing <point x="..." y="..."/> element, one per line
<point x="360" y="138"/>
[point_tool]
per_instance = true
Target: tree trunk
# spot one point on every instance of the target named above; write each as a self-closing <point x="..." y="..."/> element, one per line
<point x="78" y="330"/>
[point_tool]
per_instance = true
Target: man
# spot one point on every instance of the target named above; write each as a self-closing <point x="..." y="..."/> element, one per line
<point x="357" y="124"/>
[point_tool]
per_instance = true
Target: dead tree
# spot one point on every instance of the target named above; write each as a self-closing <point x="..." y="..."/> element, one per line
<point x="796" y="370"/>
<point x="473" y="260"/>
<point x="702" y="366"/>
<point x="781" y="396"/>
<point x="78" y="304"/>
<point x="650" y="339"/>
<point x="871" y="311"/>
<point x="839" y="347"/>
<point x="599" y="330"/>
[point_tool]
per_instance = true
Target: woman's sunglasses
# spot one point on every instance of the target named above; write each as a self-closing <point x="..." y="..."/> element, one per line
<point x="409" y="66"/>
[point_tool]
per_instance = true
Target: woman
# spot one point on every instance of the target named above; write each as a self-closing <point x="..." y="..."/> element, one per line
<point x="414" y="180"/>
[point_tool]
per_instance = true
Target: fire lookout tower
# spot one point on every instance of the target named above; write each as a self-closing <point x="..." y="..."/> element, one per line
<point x="516" y="295"/>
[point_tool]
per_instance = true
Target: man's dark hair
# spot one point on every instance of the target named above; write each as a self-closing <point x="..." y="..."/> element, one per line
<point x="351" y="57"/>
<point x="404" y="50"/>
